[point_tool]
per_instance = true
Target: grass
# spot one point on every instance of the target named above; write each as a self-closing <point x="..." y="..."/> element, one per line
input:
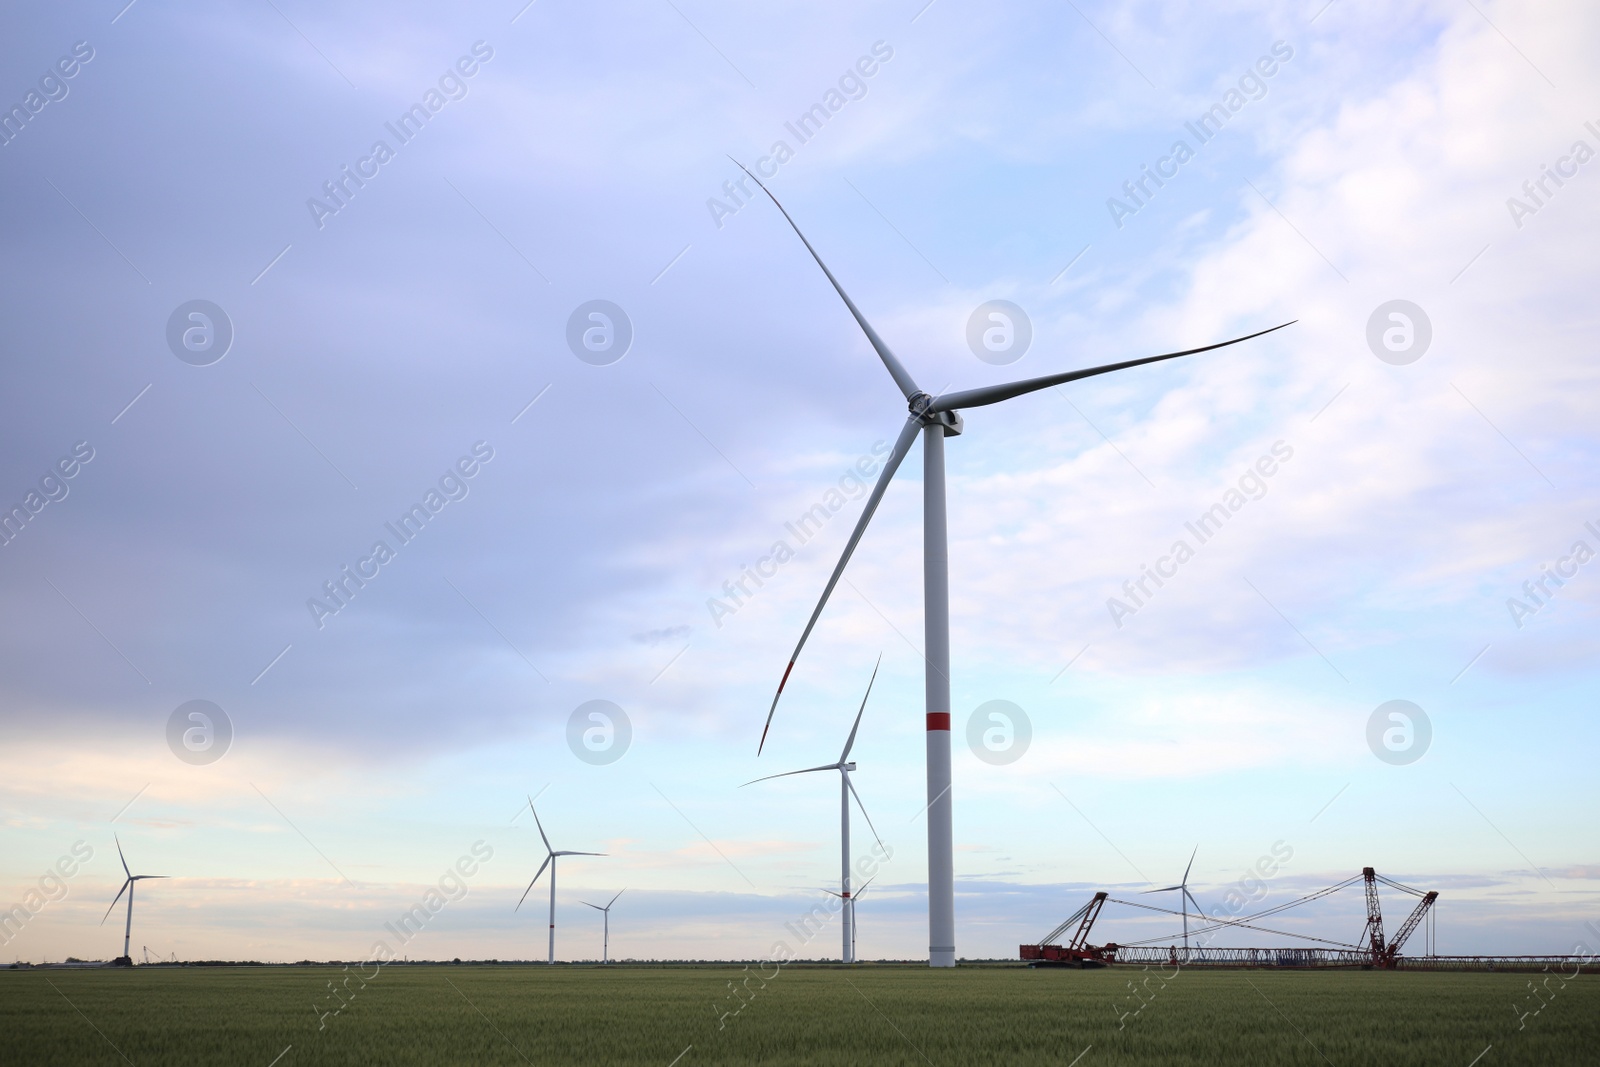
<point x="435" y="1014"/>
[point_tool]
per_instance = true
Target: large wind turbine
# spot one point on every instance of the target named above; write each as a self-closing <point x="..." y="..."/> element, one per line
<point x="847" y="789"/>
<point x="605" y="944"/>
<point x="934" y="418"/>
<point x="1185" y="898"/>
<point x="549" y="861"/>
<point x="125" y="959"/>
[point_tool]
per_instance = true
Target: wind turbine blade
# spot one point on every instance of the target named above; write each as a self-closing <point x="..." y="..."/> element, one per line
<point x="539" y="824"/>
<point x="902" y="445"/>
<point x="528" y="890"/>
<point x="863" y="808"/>
<point x="1196" y="903"/>
<point x="1163" y="889"/>
<point x="142" y="877"/>
<point x="614" y="899"/>
<point x="586" y="904"/>
<point x="993" y="394"/>
<point x="114" y="900"/>
<point x="896" y="371"/>
<point x="849" y="742"/>
<point x="785" y="774"/>
<point x="577" y="853"/>
<point x="120" y="856"/>
<point x="863" y="889"/>
<point x="1189" y="868"/>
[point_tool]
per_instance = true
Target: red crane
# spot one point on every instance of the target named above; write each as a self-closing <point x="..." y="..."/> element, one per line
<point x="1406" y="928"/>
<point x="1383" y="955"/>
<point x="1373" y="933"/>
<point x="1076" y="950"/>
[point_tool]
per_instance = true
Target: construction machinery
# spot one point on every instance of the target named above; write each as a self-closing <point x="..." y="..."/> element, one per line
<point x="1373" y="950"/>
<point x="1385" y="955"/>
<point x="1077" y="951"/>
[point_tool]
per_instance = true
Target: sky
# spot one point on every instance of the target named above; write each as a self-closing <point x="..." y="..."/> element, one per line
<point x="227" y="378"/>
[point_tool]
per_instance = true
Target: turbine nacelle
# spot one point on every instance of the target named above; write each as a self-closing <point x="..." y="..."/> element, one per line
<point x="922" y="409"/>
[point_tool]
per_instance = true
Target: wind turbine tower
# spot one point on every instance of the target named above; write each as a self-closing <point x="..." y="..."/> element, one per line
<point x="933" y="418"/>
<point x="549" y="861"/>
<point x="847" y="789"/>
<point x="1185" y="898"/>
<point x="605" y="943"/>
<point x="126" y="960"/>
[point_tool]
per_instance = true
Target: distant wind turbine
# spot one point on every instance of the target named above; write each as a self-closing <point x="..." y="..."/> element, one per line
<point x="1185" y="898"/>
<point x="605" y="944"/>
<point x="125" y="959"/>
<point x="855" y="924"/>
<point x="933" y="418"/>
<point x="847" y="789"/>
<point x="549" y="861"/>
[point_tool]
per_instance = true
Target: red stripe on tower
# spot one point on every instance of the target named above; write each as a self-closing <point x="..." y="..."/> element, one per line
<point x="938" y="720"/>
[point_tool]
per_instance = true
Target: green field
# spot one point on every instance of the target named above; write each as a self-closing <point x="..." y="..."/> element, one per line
<point x="871" y="1014"/>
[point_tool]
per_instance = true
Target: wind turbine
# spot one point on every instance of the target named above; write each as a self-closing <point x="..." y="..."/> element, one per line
<point x="1185" y="898"/>
<point x="605" y="945"/>
<point x="125" y="959"/>
<point x="855" y="927"/>
<point x="846" y="790"/>
<point x="934" y="418"/>
<point x="549" y="861"/>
